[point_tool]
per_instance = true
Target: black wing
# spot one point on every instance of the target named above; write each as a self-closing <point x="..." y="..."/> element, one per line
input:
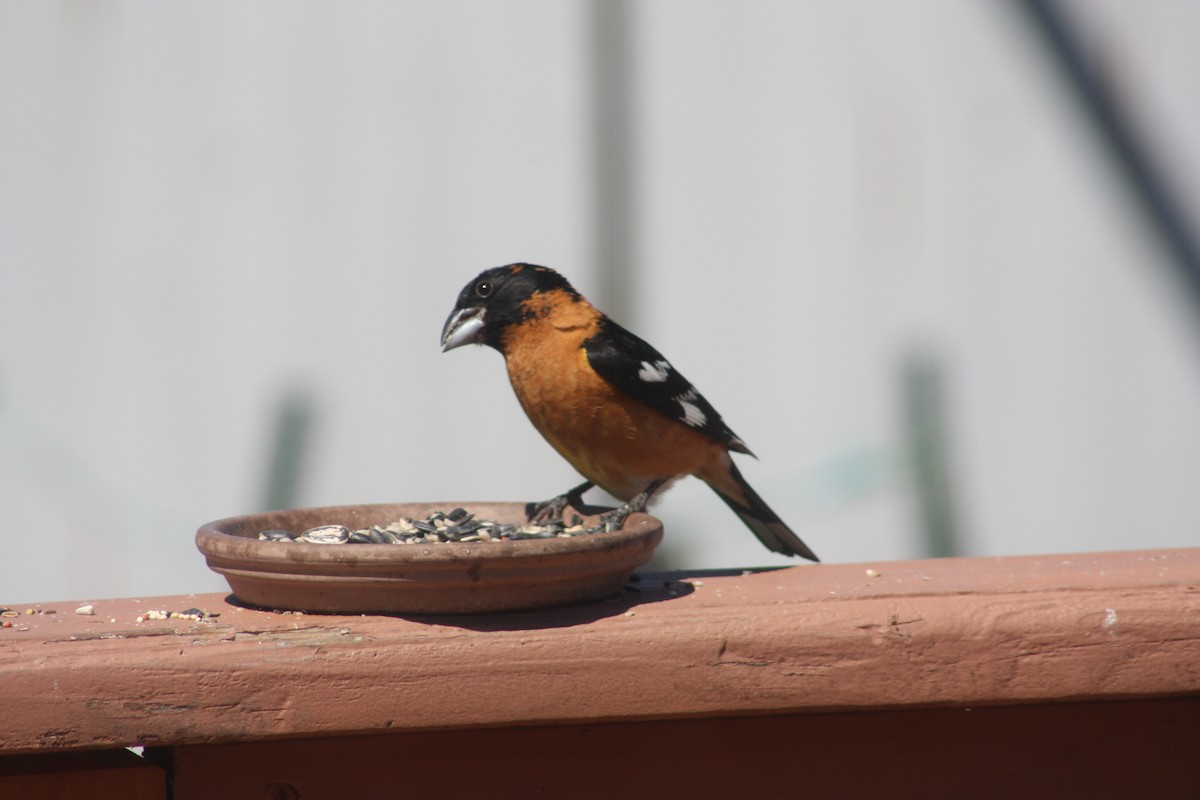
<point x="637" y="369"/>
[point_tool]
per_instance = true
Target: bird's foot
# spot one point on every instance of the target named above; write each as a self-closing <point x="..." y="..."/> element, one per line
<point x="553" y="508"/>
<point x="547" y="509"/>
<point x="614" y="520"/>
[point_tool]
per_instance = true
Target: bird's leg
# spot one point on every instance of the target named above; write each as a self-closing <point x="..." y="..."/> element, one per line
<point x="553" y="508"/>
<point x="615" y="519"/>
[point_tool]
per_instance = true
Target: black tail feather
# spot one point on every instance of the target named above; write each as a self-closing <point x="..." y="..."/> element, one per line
<point x="762" y="521"/>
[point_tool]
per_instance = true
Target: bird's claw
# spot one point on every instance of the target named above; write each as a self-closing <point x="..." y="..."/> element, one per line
<point x="615" y="520"/>
<point x="547" y="509"/>
<point x="553" y="508"/>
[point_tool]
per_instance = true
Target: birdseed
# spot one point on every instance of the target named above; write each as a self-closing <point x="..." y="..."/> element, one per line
<point x="193" y="614"/>
<point x="458" y="525"/>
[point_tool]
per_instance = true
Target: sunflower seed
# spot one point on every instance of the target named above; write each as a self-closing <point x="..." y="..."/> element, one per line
<point x="326" y="534"/>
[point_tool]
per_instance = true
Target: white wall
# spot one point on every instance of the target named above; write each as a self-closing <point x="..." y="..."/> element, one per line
<point x="202" y="205"/>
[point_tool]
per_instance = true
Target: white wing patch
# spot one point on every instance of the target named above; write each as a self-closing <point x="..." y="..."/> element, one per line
<point x="692" y="414"/>
<point x="654" y="373"/>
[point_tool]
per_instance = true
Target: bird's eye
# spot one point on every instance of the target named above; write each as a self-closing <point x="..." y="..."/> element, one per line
<point x="483" y="289"/>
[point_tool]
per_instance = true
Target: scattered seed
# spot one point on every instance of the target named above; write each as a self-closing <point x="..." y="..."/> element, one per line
<point x="87" y="609"/>
<point x="873" y="573"/>
<point x="194" y="614"/>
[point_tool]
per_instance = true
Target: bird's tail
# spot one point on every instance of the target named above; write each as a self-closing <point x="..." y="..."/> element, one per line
<point x="773" y="532"/>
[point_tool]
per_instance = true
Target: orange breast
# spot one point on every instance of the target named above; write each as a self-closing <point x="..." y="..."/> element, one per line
<point x="610" y="438"/>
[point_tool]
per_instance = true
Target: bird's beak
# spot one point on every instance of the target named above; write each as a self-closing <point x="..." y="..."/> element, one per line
<point x="462" y="327"/>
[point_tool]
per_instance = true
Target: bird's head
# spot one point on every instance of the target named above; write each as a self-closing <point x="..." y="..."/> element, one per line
<point x="496" y="299"/>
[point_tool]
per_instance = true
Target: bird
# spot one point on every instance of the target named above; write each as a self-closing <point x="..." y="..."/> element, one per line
<point x="607" y="401"/>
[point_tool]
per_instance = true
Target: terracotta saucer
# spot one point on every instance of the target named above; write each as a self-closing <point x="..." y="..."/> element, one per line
<point x="441" y="578"/>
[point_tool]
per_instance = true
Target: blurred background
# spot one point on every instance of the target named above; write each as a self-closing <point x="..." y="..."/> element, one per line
<point x="933" y="261"/>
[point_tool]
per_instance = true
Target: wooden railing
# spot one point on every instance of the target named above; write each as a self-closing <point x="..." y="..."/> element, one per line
<point x="1066" y="676"/>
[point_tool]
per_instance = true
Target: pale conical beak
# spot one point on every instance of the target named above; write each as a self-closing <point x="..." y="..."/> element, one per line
<point x="462" y="327"/>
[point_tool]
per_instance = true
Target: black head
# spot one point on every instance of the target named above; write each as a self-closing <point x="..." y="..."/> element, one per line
<point x="495" y="299"/>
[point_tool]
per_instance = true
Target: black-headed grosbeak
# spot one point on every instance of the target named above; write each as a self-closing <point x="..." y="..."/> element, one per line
<point x="609" y="403"/>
